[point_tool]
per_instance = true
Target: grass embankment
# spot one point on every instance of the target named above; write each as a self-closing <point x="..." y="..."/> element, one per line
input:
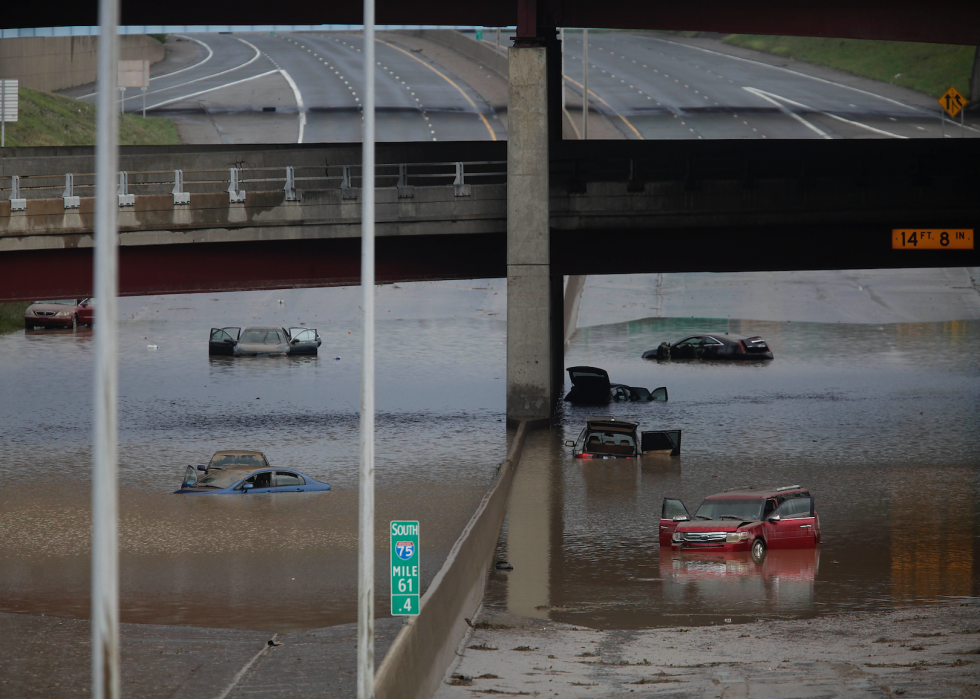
<point x="12" y="316"/>
<point x="928" y="68"/>
<point x="46" y="119"/>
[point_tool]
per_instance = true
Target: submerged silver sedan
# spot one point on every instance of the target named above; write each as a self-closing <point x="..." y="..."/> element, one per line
<point x="264" y="341"/>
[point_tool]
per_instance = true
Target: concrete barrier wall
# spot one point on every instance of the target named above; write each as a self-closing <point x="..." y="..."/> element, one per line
<point x="55" y="62"/>
<point x="479" y="51"/>
<point x="423" y="651"/>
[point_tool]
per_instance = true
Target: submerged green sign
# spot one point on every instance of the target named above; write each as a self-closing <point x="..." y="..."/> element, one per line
<point x="404" y="568"/>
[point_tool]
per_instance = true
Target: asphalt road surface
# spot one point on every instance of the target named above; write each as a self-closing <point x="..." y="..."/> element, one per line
<point x="307" y="88"/>
<point x="672" y="88"/>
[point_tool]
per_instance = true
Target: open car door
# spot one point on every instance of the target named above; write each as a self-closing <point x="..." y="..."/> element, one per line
<point x="223" y="340"/>
<point x="303" y="340"/>
<point x="661" y="442"/>
<point x="672" y="513"/>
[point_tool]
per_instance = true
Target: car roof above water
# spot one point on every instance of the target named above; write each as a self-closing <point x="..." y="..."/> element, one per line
<point x="754" y="492"/>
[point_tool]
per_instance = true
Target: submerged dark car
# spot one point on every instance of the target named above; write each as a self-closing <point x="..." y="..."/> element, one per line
<point x="239" y="472"/>
<point x="264" y="341"/>
<point x="614" y="438"/>
<point x="717" y="346"/>
<point x="590" y="386"/>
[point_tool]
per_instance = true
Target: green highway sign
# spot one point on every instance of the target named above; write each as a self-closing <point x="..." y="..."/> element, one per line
<point x="404" y="568"/>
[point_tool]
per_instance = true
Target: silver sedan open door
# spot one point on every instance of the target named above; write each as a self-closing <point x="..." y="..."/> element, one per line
<point x="304" y="341"/>
<point x="223" y="340"/>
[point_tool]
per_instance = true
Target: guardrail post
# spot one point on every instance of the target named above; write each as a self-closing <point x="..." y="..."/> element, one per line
<point x="235" y="195"/>
<point x="125" y="198"/>
<point x="405" y="190"/>
<point x="292" y="194"/>
<point x="346" y="190"/>
<point x="16" y="203"/>
<point x="180" y="196"/>
<point x="460" y="188"/>
<point x="71" y="201"/>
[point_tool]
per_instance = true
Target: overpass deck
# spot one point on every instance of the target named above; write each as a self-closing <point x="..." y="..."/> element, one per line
<point x="292" y="218"/>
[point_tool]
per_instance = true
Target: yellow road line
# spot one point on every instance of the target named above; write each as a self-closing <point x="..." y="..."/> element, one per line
<point x="625" y="120"/>
<point x="486" y="123"/>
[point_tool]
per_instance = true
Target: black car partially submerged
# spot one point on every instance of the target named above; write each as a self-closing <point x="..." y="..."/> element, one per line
<point x="591" y="386"/>
<point x="716" y="346"/>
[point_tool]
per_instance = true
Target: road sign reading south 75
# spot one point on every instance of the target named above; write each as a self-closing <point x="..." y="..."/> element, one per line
<point x="404" y="568"/>
<point x="952" y="101"/>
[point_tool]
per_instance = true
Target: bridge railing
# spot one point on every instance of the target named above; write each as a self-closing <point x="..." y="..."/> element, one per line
<point x="238" y="181"/>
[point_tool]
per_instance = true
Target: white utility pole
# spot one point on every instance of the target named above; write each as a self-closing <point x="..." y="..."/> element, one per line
<point x="585" y="83"/>
<point x="105" y="507"/>
<point x="562" y="38"/>
<point x="365" y="529"/>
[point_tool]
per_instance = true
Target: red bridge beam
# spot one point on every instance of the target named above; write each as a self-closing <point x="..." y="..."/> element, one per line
<point x="209" y="267"/>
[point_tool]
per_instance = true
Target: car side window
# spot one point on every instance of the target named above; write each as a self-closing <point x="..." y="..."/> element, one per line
<point x="218" y="335"/>
<point x="795" y="508"/>
<point x="673" y="508"/>
<point x="690" y="342"/>
<point x="288" y="478"/>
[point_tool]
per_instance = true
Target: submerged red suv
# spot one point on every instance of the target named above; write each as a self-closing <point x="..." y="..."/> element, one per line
<point x="743" y="519"/>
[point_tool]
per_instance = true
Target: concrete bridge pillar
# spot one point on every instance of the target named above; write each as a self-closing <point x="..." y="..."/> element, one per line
<point x="534" y="305"/>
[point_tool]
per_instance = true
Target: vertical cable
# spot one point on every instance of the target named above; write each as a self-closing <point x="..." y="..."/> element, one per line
<point x="365" y="553"/>
<point x="105" y="554"/>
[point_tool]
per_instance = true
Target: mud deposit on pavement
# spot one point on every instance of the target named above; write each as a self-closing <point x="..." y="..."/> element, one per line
<point x="929" y="651"/>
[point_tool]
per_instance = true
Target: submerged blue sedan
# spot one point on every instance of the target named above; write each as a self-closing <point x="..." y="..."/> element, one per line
<point x="246" y="472"/>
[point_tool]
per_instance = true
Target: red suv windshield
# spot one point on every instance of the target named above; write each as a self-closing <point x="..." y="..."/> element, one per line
<point x="730" y="508"/>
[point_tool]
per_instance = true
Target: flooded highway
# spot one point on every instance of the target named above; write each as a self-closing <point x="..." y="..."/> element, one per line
<point x="879" y="421"/>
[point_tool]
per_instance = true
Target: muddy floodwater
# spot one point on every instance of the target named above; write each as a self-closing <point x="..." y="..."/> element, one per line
<point x="880" y="422"/>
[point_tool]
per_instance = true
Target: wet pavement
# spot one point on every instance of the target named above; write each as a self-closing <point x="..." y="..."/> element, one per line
<point x="877" y="419"/>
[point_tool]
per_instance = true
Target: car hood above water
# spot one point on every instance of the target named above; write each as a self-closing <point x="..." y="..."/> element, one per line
<point x="261" y="348"/>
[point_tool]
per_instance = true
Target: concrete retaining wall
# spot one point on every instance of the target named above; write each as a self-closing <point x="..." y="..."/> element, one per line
<point x="55" y="62"/>
<point x="418" y="659"/>
<point x="479" y="51"/>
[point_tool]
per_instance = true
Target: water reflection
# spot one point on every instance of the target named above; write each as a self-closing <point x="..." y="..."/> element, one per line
<point x="733" y="584"/>
<point x="878" y="421"/>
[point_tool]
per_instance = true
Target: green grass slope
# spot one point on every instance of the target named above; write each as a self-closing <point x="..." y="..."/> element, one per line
<point x="928" y="68"/>
<point x="12" y="316"/>
<point x="46" y="119"/>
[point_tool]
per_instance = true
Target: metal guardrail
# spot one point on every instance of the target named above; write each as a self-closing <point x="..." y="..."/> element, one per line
<point x="238" y="181"/>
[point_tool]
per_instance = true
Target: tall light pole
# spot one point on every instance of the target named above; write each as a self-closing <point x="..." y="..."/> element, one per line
<point x="105" y="506"/>
<point x="562" y="81"/>
<point x="365" y="529"/>
<point x="585" y="84"/>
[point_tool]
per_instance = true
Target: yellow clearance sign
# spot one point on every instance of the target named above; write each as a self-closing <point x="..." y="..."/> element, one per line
<point x="932" y="239"/>
<point x="952" y="101"/>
